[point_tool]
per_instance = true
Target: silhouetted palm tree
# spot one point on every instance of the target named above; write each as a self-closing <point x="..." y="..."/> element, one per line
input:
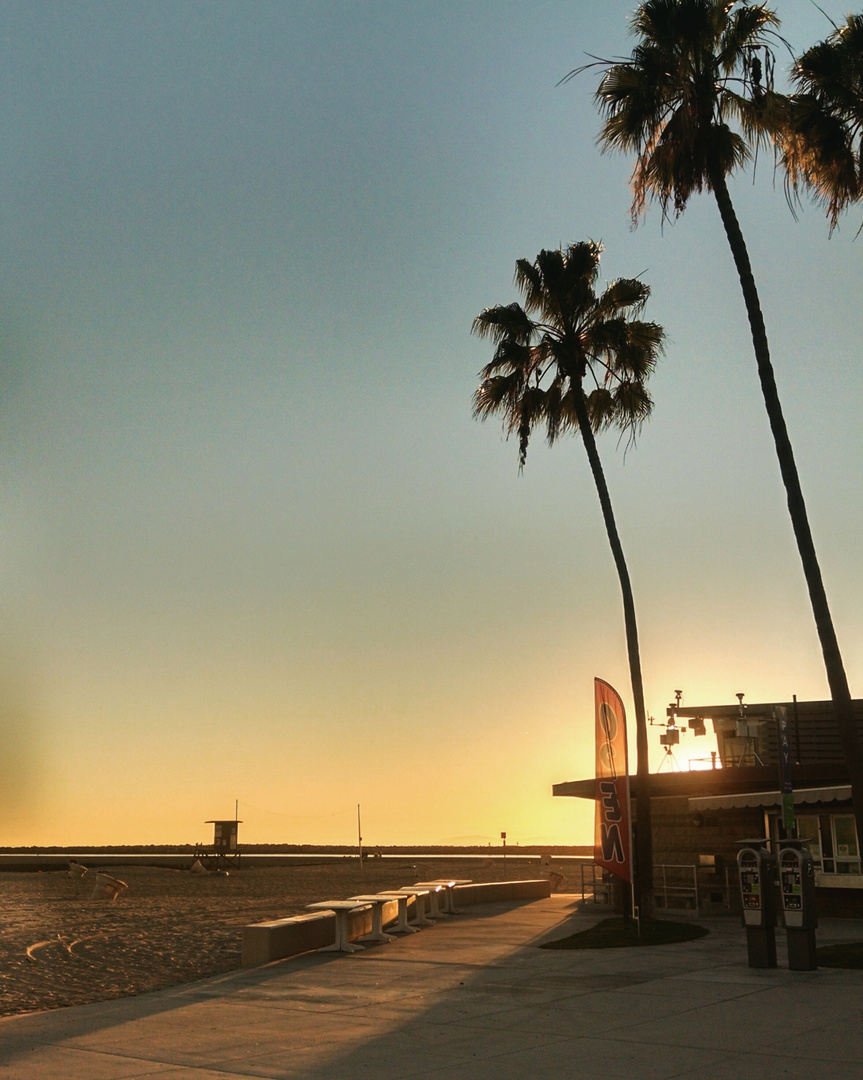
<point x="697" y="65"/>
<point x="823" y="147"/>
<point x="563" y="337"/>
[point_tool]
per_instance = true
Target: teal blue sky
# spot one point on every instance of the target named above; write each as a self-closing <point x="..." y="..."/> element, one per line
<point x="254" y="547"/>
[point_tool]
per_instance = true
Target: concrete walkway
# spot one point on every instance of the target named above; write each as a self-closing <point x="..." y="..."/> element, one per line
<point x="473" y="999"/>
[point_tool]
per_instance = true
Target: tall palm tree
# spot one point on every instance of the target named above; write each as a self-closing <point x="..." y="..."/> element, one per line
<point x="565" y="336"/>
<point x="822" y="147"/>
<point x="697" y="65"/>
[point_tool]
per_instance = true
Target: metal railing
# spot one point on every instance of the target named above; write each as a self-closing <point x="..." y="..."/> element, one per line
<point x="675" y="886"/>
<point x="678" y="886"/>
<point x="683" y="885"/>
<point x="595" y="884"/>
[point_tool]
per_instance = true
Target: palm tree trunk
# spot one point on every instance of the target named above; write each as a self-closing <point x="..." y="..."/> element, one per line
<point x="644" y="829"/>
<point x="842" y="705"/>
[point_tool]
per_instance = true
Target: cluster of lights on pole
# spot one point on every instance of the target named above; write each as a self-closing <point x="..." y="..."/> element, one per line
<point x="670" y="736"/>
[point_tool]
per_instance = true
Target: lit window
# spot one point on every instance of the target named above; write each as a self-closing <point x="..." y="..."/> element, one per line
<point x="845" y="844"/>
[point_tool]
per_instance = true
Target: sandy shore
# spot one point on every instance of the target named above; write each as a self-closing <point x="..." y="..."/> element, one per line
<point x="59" y="947"/>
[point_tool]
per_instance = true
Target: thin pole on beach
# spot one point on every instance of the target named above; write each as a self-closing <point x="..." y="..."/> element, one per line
<point x="359" y="833"/>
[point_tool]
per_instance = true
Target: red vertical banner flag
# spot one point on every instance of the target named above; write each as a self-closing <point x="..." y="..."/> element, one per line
<point x="612" y="835"/>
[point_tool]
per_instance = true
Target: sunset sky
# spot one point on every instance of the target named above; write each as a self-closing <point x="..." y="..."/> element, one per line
<point x="253" y="546"/>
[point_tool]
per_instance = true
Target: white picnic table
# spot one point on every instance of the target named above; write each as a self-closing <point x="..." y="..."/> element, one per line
<point x="449" y="884"/>
<point x="341" y="909"/>
<point x="378" y="901"/>
<point x="420" y="893"/>
<point x="402" y="925"/>
<point x="434" y="890"/>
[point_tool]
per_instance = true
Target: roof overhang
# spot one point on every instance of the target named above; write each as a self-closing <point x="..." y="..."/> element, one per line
<point x="716" y="783"/>
<point x="803" y="797"/>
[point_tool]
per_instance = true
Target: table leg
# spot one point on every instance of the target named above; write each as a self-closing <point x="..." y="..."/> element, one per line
<point x="341" y="944"/>
<point x="377" y="933"/>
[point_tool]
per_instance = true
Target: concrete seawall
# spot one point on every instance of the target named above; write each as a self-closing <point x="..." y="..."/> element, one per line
<point x="280" y="938"/>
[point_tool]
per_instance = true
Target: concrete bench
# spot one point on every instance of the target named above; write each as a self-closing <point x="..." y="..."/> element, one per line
<point x="486" y="893"/>
<point x="272" y="940"/>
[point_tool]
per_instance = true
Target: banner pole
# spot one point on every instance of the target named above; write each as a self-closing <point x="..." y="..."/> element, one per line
<point x="613" y="849"/>
<point x="636" y="909"/>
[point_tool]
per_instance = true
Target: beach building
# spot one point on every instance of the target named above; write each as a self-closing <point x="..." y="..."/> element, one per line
<point x="700" y="815"/>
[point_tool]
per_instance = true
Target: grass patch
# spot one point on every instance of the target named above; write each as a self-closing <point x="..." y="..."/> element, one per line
<point x="847" y="955"/>
<point x="623" y="933"/>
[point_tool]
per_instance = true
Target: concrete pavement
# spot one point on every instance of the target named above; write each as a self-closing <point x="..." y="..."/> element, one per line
<point x="473" y="999"/>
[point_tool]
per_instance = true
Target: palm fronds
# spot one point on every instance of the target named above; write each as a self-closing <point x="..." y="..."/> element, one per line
<point x="672" y="100"/>
<point x="822" y="146"/>
<point x="562" y="335"/>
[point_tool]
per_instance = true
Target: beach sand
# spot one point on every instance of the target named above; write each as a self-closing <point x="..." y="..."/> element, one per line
<point x="60" y="947"/>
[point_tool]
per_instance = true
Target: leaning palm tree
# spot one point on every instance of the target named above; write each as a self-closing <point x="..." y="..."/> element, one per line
<point x="699" y="65"/>
<point x="822" y="146"/>
<point x="577" y="362"/>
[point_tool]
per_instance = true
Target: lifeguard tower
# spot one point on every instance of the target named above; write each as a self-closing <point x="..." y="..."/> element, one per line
<point x="225" y="851"/>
